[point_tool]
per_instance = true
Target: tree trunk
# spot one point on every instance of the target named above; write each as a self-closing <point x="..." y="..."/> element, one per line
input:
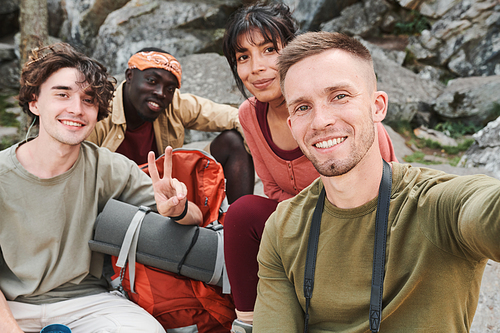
<point x="33" y="21"/>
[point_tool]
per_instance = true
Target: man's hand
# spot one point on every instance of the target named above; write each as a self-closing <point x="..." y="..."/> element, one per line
<point x="170" y="194"/>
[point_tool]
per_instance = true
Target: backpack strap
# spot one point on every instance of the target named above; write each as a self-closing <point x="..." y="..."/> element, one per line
<point x="378" y="256"/>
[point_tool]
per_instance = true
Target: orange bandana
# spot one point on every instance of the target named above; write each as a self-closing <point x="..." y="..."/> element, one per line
<point x="145" y="60"/>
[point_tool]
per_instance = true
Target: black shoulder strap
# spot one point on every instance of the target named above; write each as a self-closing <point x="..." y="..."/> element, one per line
<point x="378" y="256"/>
<point x="312" y="250"/>
<point x="384" y="197"/>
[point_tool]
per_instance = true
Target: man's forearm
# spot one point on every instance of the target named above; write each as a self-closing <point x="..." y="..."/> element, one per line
<point x="8" y="324"/>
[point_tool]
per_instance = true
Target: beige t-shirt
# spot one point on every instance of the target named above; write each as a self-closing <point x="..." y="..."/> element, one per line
<point x="45" y="224"/>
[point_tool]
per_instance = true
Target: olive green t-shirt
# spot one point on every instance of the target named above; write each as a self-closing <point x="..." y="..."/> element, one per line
<point x="441" y="230"/>
<point x="45" y="224"/>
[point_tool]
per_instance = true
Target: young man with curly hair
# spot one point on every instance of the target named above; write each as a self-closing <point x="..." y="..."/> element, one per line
<point x="52" y="187"/>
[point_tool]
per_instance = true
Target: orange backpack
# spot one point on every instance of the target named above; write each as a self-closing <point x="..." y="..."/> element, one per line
<point x="176" y="301"/>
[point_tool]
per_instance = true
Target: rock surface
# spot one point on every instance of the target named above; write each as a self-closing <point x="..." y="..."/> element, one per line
<point x="485" y="152"/>
<point x="473" y="99"/>
<point x="465" y="37"/>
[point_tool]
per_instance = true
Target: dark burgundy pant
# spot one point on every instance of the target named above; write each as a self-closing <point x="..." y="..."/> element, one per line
<point x="243" y="227"/>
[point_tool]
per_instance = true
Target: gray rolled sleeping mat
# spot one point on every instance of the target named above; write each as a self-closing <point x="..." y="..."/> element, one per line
<point x="138" y="234"/>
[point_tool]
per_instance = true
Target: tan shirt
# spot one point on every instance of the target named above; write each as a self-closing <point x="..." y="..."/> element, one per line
<point x="185" y="111"/>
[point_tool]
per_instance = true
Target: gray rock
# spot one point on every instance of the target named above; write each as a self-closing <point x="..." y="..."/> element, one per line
<point x="9" y="6"/>
<point x="7" y="52"/>
<point x="8" y="131"/>
<point x="180" y="28"/>
<point x="473" y="99"/>
<point x="489" y="136"/>
<point x="437" y="136"/>
<point x="465" y="38"/>
<point x="82" y="19"/>
<point x="309" y="14"/>
<point x="360" y="19"/>
<point x="208" y="75"/>
<point x="9" y="17"/>
<point x="408" y="93"/>
<point x="485" y="152"/>
<point x="398" y="142"/>
<point x="430" y="8"/>
<point x="487" y="318"/>
<point x="57" y="16"/>
<point x="9" y="76"/>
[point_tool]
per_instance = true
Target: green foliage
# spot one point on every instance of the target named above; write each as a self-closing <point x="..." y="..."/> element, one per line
<point x="457" y="129"/>
<point x="7" y="119"/>
<point x="403" y="128"/>
<point x="454" y="160"/>
<point x="450" y="150"/>
<point x="413" y="25"/>
<point x="419" y="157"/>
<point x="7" y="141"/>
<point x="494" y="112"/>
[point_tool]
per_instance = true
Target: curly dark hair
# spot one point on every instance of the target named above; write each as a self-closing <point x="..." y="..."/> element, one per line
<point x="46" y="61"/>
<point x="274" y="22"/>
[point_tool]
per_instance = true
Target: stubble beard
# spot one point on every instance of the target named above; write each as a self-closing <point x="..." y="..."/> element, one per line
<point x="337" y="167"/>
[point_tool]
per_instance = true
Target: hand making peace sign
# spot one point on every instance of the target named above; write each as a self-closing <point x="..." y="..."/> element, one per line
<point x="170" y="193"/>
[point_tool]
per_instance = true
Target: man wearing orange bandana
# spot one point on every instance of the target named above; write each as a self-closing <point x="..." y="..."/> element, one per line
<point x="149" y="114"/>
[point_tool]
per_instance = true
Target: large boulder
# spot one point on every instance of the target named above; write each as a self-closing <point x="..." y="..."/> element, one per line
<point x="465" y="37"/>
<point x="485" y="152"/>
<point x="180" y="28"/>
<point x="208" y="75"/>
<point x="9" y="17"/>
<point x="487" y="318"/>
<point x="431" y="8"/>
<point x="473" y="100"/>
<point x="9" y="76"/>
<point x="408" y="92"/>
<point x="310" y="14"/>
<point x="58" y="17"/>
<point x="83" y="19"/>
<point x="361" y="19"/>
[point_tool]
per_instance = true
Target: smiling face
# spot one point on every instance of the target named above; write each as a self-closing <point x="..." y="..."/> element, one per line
<point x="67" y="111"/>
<point x="150" y="91"/>
<point x="333" y="104"/>
<point x="256" y="65"/>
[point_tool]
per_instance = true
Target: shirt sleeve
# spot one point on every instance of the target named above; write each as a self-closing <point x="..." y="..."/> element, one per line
<point x="464" y="218"/>
<point x="277" y="308"/>
<point x="202" y="114"/>
<point x="478" y="217"/>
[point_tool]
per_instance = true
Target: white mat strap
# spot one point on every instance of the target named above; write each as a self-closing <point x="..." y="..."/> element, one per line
<point x="129" y="245"/>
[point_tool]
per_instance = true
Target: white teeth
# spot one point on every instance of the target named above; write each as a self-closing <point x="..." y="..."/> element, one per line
<point x="329" y="143"/>
<point x="71" y="123"/>
<point x="154" y="104"/>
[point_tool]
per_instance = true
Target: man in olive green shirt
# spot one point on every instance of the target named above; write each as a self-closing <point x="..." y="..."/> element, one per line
<point x="442" y="228"/>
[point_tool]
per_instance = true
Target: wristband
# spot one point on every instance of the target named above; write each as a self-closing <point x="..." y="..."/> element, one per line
<point x="183" y="214"/>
